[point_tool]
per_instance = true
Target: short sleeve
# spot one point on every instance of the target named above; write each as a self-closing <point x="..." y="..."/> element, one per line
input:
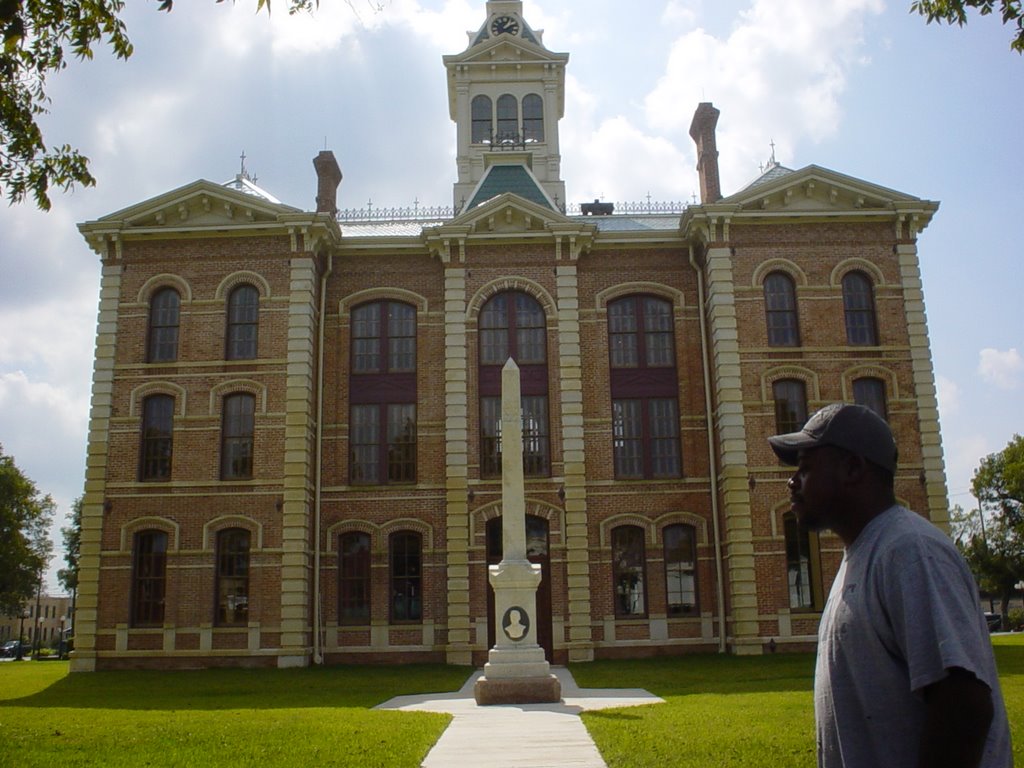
<point x="933" y="611"/>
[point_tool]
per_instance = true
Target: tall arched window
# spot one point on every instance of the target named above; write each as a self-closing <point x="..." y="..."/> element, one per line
<point x="382" y="388"/>
<point x="533" y="118"/>
<point x="405" y="555"/>
<point x="157" y="438"/>
<point x="780" y="310"/>
<point x="680" y="569"/>
<point x="162" y="344"/>
<point x="803" y="566"/>
<point x="629" y="565"/>
<point x="512" y="324"/>
<point x="790" y="405"/>
<point x="644" y="388"/>
<point x="243" y="323"/>
<point x="508" y="119"/>
<point x="238" y="429"/>
<point x="859" y="306"/>
<point x="870" y="392"/>
<point x="354" y="578"/>
<point x="233" y="577"/>
<point x="482" y="120"/>
<point x="149" y="569"/>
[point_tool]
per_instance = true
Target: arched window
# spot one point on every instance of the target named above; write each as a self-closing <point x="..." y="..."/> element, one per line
<point x="629" y="572"/>
<point x="149" y="569"/>
<point x="680" y="569"/>
<point x="238" y="428"/>
<point x="533" y="118"/>
<point x="162" y="345"/>
<point x="157" y="438"/>
<point x="790" y="405"/>
<point x="405" y="550"/>
<point x="802" y="566"/>
<point x="482" y="120"/>
<point x="243" y="323"/>
<point x="870" y="392"/>
<point x="508" y="119"/>
<point x="859" y="306"/>
<point x="780" y="310"/>
<point x="233" y="577"/>
<point x="644" y="388"/>
<point x="512" y="324"/>
<point x="382" y="388"/>
<point x="354" y="578"/>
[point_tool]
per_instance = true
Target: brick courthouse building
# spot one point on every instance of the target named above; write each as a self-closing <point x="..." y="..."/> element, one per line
<point x="294" y="450"/>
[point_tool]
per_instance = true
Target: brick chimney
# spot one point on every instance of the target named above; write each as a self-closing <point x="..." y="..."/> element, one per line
<point x="702" y="131"/>
<point x="328" y="177"/>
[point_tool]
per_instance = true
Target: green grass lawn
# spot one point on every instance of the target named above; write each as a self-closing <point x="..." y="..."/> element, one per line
<point x="731" y="711"/>
<point x="269" y="718"/>
<point x="719" y="711"/>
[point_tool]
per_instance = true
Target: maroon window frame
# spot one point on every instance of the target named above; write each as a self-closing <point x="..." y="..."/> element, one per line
<point x="238" y="427"/>
<point x="405" y="550"/>
<point x="512" y="324"/>
<point x="790" y="397"/>
<point x="644" y="388"/>
<point x="149" y="576"/>
<point x="164" y="318"/>
<point x="681" y="591"/>
<point x="233" y="577"/>
<point x="780" y="310"/>
<point x="859" y="309"/>
<point x="354" y="578"/>
<point x="157" y="445"/>
<point x="242" y="336"/>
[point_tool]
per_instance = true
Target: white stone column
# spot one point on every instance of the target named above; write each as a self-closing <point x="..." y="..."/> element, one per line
<point x="83" y="658"/>
<point x="925" y="395"/>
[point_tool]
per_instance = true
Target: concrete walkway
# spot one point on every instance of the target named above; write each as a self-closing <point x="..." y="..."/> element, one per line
<point x="522" y="735"/>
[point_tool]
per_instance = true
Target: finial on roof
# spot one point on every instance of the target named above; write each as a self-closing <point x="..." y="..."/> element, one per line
<point x="243" y="173"/>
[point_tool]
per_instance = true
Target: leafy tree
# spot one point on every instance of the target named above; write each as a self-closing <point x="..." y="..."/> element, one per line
<point x="999" y="481"/>
<point x="72" y="536"/>
<point x="955" y="12"/>
<point x="995" y="551"/>
<point x="38" y="37"/>
<point x="25" y="545"/>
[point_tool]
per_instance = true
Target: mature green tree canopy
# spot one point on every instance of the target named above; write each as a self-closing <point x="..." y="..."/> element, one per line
<point x="72" y="534"/>
<point x="955" y="12"/>
<point x="25" y="546"/>
<point x="998" y="483"/>
<point x="39" y="36"/>
<point x="995" y="550"/>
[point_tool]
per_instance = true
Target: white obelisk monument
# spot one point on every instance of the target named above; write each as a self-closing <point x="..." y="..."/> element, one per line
<point x="516" y="671"/>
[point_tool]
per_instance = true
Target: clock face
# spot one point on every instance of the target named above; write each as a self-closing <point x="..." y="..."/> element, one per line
<point x="505" y="24"/>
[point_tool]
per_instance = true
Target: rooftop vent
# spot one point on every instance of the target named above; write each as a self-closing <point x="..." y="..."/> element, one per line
<point x="597" y="208"/>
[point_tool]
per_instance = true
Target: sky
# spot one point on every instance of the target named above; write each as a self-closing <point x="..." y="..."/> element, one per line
<point x="859" y="86"/>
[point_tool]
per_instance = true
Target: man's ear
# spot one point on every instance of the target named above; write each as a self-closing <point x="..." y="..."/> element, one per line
<point x="855" y="468"/>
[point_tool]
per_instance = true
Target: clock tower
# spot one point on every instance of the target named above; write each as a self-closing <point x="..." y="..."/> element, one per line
<point x="506" y="94"/>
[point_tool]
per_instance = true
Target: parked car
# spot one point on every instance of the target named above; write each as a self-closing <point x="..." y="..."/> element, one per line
<point x="994" y="621"/>
<point x="9" y="650"/>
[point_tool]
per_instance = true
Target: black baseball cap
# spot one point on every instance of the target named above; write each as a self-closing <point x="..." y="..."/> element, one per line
<point x="854" y="428"/>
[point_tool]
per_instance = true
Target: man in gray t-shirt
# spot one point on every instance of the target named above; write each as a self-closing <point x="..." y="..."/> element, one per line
<point x="905" y="675"/>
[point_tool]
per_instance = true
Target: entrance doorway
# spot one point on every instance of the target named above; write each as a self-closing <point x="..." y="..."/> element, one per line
<point x="536" y="552"/>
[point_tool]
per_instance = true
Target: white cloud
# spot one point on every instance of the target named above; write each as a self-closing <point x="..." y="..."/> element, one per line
<point x="809" y="47"/>
<point x="1001" y="369"/>
<point x="948" y="394"/>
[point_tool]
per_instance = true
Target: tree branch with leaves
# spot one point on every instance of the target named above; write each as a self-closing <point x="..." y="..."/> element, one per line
<point x="955" y="12"/>
<point x="38" y="39"/>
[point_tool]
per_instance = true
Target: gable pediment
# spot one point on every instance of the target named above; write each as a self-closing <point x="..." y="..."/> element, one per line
<point x="199" y="205"/>
<point x="818" y="190"/>
<point x="508" y="213"/>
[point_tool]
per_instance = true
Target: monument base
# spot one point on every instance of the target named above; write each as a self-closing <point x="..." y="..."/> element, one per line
<point x="517" y="690"/>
